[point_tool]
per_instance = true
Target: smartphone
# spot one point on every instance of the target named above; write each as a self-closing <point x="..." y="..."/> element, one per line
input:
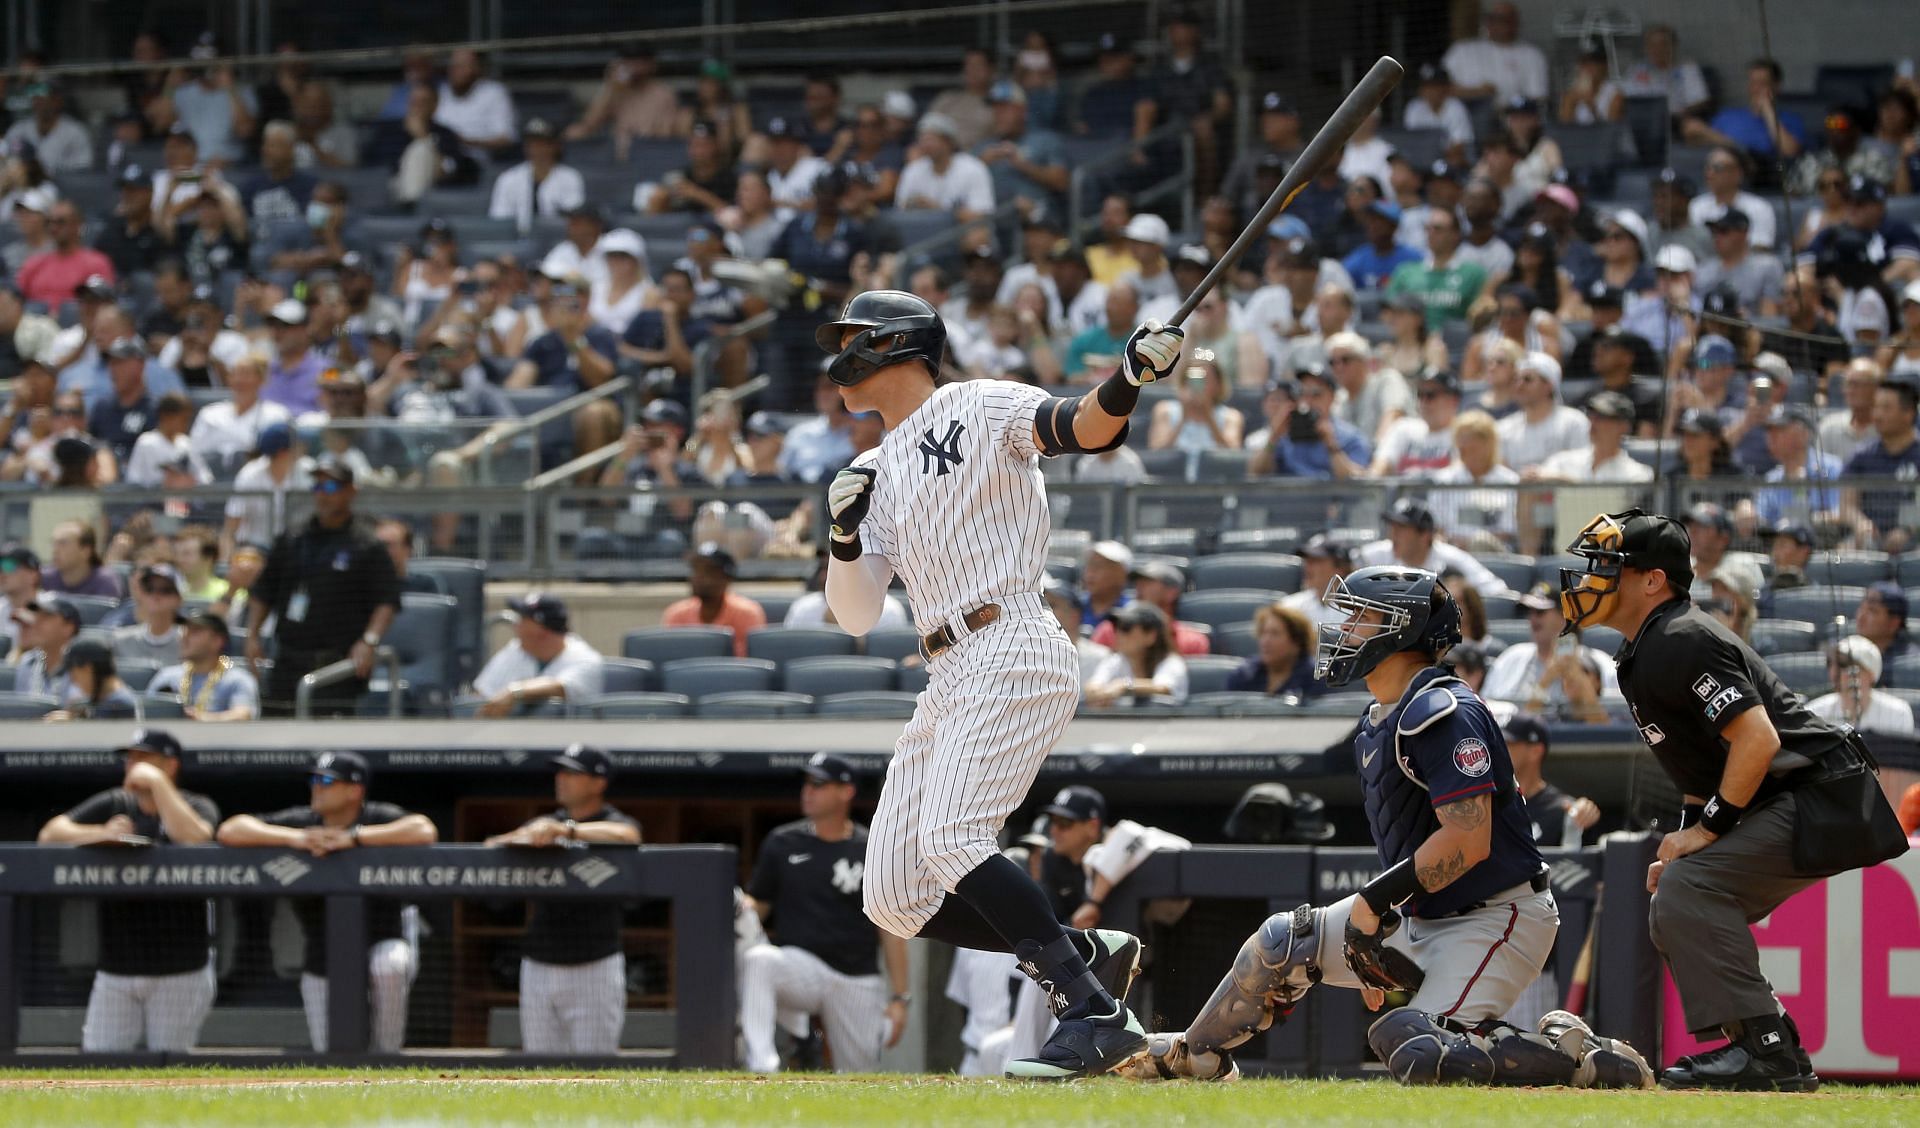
<point x="1196" y="379"/>
<point x="1303" y="426"/>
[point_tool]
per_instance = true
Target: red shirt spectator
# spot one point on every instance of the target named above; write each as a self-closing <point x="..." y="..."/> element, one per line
<point x="52" y="276"/>
<point x="713" y="604"/>
<point x="1161" y="584"/>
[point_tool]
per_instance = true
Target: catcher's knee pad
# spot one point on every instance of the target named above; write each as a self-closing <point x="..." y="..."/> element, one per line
<point x="1599" y="1063"/>
<point x="1521" y="1057"/>
<point x="1419" y="1049"/>
<point x="1274" y="968"/>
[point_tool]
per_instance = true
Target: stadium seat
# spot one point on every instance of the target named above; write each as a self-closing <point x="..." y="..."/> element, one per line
<point x="136" y="673"/>
<point x="6" y="678"/>
<point x="466" y="581"/>
<point x="626" y="675"/>
<point x="1907" y="568"/>
<point x="912" y="678"/>
<point x="753" y="704"/>
<point x="1227" y="605"/>
<point x="891" y="704"/>
<point x="92" y="608"/>
<point x="1168" y="465"/>
<point x="894" y="645"/>
<point x="1849" y="569"/>
<point x="1904" y="671"/>
<point x="634" y="706"/>
<point x="1208" y="673"/>
<point x="820" y="676"/>
<point x="1771" y="637"/>
<point x="776" y="606"/>
<point x="1223" y="466"/>
<point x="1167" y="542"/>
<point x="1500" y="606"/>
<point x="1517" y="572"/>
<point x="27" y="706"/>
<point x="697" y="677"/>
<point x="1803" y="673"/>
<point x="661" y="645"/>
<point x="1421" y="146"/>
<point x="1338" y="704"/>
<point x="1650" y="124"/>
<point x="1267" y="570"/>
<point x="1509" y="631"/>
<point x="1236" y="640"/>
<point x="1817" y="604"/>
<point x="168" y="708"/>
<point x="1238" y="704"/>
<point x="1268" y="539"/>
<point x="781" y="645"/>
<point x="422" y="636"/>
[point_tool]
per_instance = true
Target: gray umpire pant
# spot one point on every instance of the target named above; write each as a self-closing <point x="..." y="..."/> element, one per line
<point x="1703" y="910"/>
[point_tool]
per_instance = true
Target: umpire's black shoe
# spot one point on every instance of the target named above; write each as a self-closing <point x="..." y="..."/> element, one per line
<point x="1761" y="1056"/>
<point x="1084" y="1047"/>
<point x="1115" y="960"/>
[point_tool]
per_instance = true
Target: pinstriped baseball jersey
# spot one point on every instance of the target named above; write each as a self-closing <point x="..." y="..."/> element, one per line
<point x="959" y="508"/>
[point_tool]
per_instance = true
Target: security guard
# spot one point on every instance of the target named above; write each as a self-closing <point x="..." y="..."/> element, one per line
<point x="1756" y="768"/>
<point x="334" y="591"/>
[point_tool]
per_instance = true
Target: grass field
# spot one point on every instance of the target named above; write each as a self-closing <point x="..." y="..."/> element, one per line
<point x="303" y="1098"/>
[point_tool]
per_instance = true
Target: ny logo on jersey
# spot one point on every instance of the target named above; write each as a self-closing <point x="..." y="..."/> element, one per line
<point x="940" y="456"/>
<point x="847" y="875"/>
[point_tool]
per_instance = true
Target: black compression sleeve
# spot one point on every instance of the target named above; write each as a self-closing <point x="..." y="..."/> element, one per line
<point x="1391" y="888"/>
<point x="1118" y="395"/>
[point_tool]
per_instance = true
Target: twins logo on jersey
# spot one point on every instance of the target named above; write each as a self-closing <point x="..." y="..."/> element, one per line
<point x="847" y="874"/>
<point x="1472" y="758"/>
<point x="940" y="456"/>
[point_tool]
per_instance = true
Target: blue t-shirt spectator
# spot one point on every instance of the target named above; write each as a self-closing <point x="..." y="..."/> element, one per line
<point x="1038" y="148"/>
<point x="1106" y="107"/>
<point x="1750" y="131"/>
<point x="1371" y="269"/>
<point x="269" y="201"/>
<point x="1882" y="507"/>
<point x="1313" y="460"/>
<point x="829" y="259"/>
<point x="119" y="425"/>
<point x="1806" y="496"/>
<point x="1251" y="677"/>
<point x="558" y="368"/>
<point x="648" y="330"/>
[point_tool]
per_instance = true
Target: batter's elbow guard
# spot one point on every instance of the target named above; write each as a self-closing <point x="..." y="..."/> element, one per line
<point x="1053" y="425"/>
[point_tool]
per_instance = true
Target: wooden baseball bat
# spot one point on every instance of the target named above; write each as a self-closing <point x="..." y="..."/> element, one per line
<point x="1325" y="146"/>
<point x="1583" y="967"/>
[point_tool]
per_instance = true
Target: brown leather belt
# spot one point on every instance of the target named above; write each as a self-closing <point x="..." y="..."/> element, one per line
<point x="935" y="643"/>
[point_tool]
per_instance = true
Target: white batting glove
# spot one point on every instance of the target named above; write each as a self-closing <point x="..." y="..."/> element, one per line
<point x="1151" y="352"/>
<point x="848" y="499"/>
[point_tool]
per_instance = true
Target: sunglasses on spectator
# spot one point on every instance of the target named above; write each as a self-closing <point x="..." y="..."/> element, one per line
<point x="159" y="587"/>
<point x="328" y="486"/>
<point x="321" y="779"/>
<point x="1430" y="394"/>
<point x="69" y="411"/>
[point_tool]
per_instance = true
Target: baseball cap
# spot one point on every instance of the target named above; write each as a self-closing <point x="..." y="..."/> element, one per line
<point x="158" y="571"/>
<point x="1712" y="516"/>
<point x="1789" y="415"/>
<point x="1713" y="351"/>
<point x="34" y="200"/>
<point x="1741" y="574"/>
<point x="1411" y="511"/>
<point x="288" y="311"/>
<point x="1434" y="72"/>
<point x="1650" y="540"/>
<point x="1006" y="90"/>
<point x="1159" y="571"/>
<point x="1324" y="547"/>
<point x="18" y="556"/>
<point x="133" y="175"/>
<point x="386" y="331"/>
<point x="1630" y="222"/>
<point x="1274" y="102"/>
<point x="1289" y="227"/>
<point x="1078" y="803"/>
<point x="1601" y="293"/>
<point x="542" y="610"/>
<point x="48" y="603"/>
<point x="1800" y="531"/>
<point x="621" y="241"/>
<point x="344" y="767"/>
<point x="664" y="411"/>
<point x="1890" y="596"/>
<point x="1674" y="259"/>
<point x="1043" y="218"/>
<point x="1469" y="656"/>
<point x="586" y="759"/>
<point x="1114" y="551"/>
<point x="273" y="438"/>
<point x="159" y="742"/>
<point x="1527" y="728"/>
<point x="1611" y="405"/>
<point x="899" y="104"/>
<point x="1542" y="365"/>
<point x="1111" y="44"/>
<point x="828" y="768"/>
<point x="96" y="287"/>
<point x="1520" y="104"/>
<point x="1147" y="228"/>
<point x="1859" y="650"/>
<point x="208" y="621"/>
<point x="1562" y="195"/>
<point x="1723" y="302"/>
<point x="762" y="423"/>
<point x="714" y="554"/>
<point x="1193" y="254"/>
<point x="538" y="128"/>
<point x="1442" y="378"/>
<point x="1385" y="209"/>
<point x="1405" y="301"/>
<point x="941" y="124"/>
<point x="127" y="348"/>
<point x="1446" y="170"/>
<point x="333" y="468"/>
<point x="1313" y="369"/>
<point x="1540" y="597"/>
<point x="1619" y="336"/>
<point x="1865" y="189"/>
<point x="72" y="450"/>
<point x="1731" y="218"/>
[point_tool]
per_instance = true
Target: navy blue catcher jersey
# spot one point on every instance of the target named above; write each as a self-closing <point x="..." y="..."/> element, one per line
<point x="1439" y="745"/>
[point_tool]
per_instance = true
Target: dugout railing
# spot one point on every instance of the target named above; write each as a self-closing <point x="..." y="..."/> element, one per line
<point x="696" y="880"/>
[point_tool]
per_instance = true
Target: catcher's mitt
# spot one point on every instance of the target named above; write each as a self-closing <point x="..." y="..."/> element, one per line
<point x="1378" y="965"/>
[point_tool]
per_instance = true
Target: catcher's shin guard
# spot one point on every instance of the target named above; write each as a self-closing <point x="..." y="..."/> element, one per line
<point x="1419" y="1049"/>
<point x="1600" y="1063"/>
<point x="1273" y="969"/>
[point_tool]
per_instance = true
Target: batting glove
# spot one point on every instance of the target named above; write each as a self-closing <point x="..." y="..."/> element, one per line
<point x="848" y="499"/>
<point x="1151" y="352"/>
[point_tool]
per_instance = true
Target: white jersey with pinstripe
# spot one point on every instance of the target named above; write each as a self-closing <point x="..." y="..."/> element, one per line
<point x="960" y="514"/>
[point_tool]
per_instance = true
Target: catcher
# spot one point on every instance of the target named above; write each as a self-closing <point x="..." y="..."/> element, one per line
<point x="1461" y="918"/>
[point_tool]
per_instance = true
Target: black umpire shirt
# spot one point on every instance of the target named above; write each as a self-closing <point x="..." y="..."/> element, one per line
<point x="149" y="935"/>
<point x="383" y="915"/>
<point x="1696" y="678"/>
<point x="814" y="890"/>
<point x="324" y="584"/>
<point x="575" y="932"/>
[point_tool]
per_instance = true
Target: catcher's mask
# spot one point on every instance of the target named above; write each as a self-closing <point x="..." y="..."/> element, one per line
<point x="1383" y="610"/>
<point x="1609" y="543"/>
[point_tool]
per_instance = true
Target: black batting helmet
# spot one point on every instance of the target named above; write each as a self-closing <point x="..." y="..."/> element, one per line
<point x="1383" y="610"/>
<point x="908" y="327"/>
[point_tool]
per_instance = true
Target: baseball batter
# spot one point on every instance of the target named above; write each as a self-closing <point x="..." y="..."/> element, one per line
<point x="573" y="971"/>
<point x="952" y="501"/>
<point x="1461" y="917"/>
<point x="155" y="979"/>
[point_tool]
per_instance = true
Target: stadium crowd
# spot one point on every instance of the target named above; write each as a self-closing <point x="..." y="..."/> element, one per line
<point x="221" y="281"/>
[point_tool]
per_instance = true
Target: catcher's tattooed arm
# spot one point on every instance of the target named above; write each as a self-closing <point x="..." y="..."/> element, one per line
<point x="1464" y="839"/>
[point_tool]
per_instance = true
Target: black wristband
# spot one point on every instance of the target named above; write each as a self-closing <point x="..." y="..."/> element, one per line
<point x="1690" y="813"/>
<point x="1118" y="396"/>
<point x="1391" y="888"/>
<point x="1720" y="816"/>
<point x="846" y="551"/>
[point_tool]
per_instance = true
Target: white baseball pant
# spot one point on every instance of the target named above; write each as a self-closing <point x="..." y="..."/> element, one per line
<point x="573" y="1008"/>
<point x="995" y="704"/>
<point x="1475" y="965"/>
<point x="391" y="965"/>
<point x="852" y="1007"/>
<point x="167" y="1009"/>
<point x="1031" y="1026"/>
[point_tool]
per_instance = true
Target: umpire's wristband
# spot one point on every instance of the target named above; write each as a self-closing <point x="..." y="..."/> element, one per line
<point x="1720" y="816"/>
<point x="1391" y="888"/>
<point x="1690" y="813"/>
